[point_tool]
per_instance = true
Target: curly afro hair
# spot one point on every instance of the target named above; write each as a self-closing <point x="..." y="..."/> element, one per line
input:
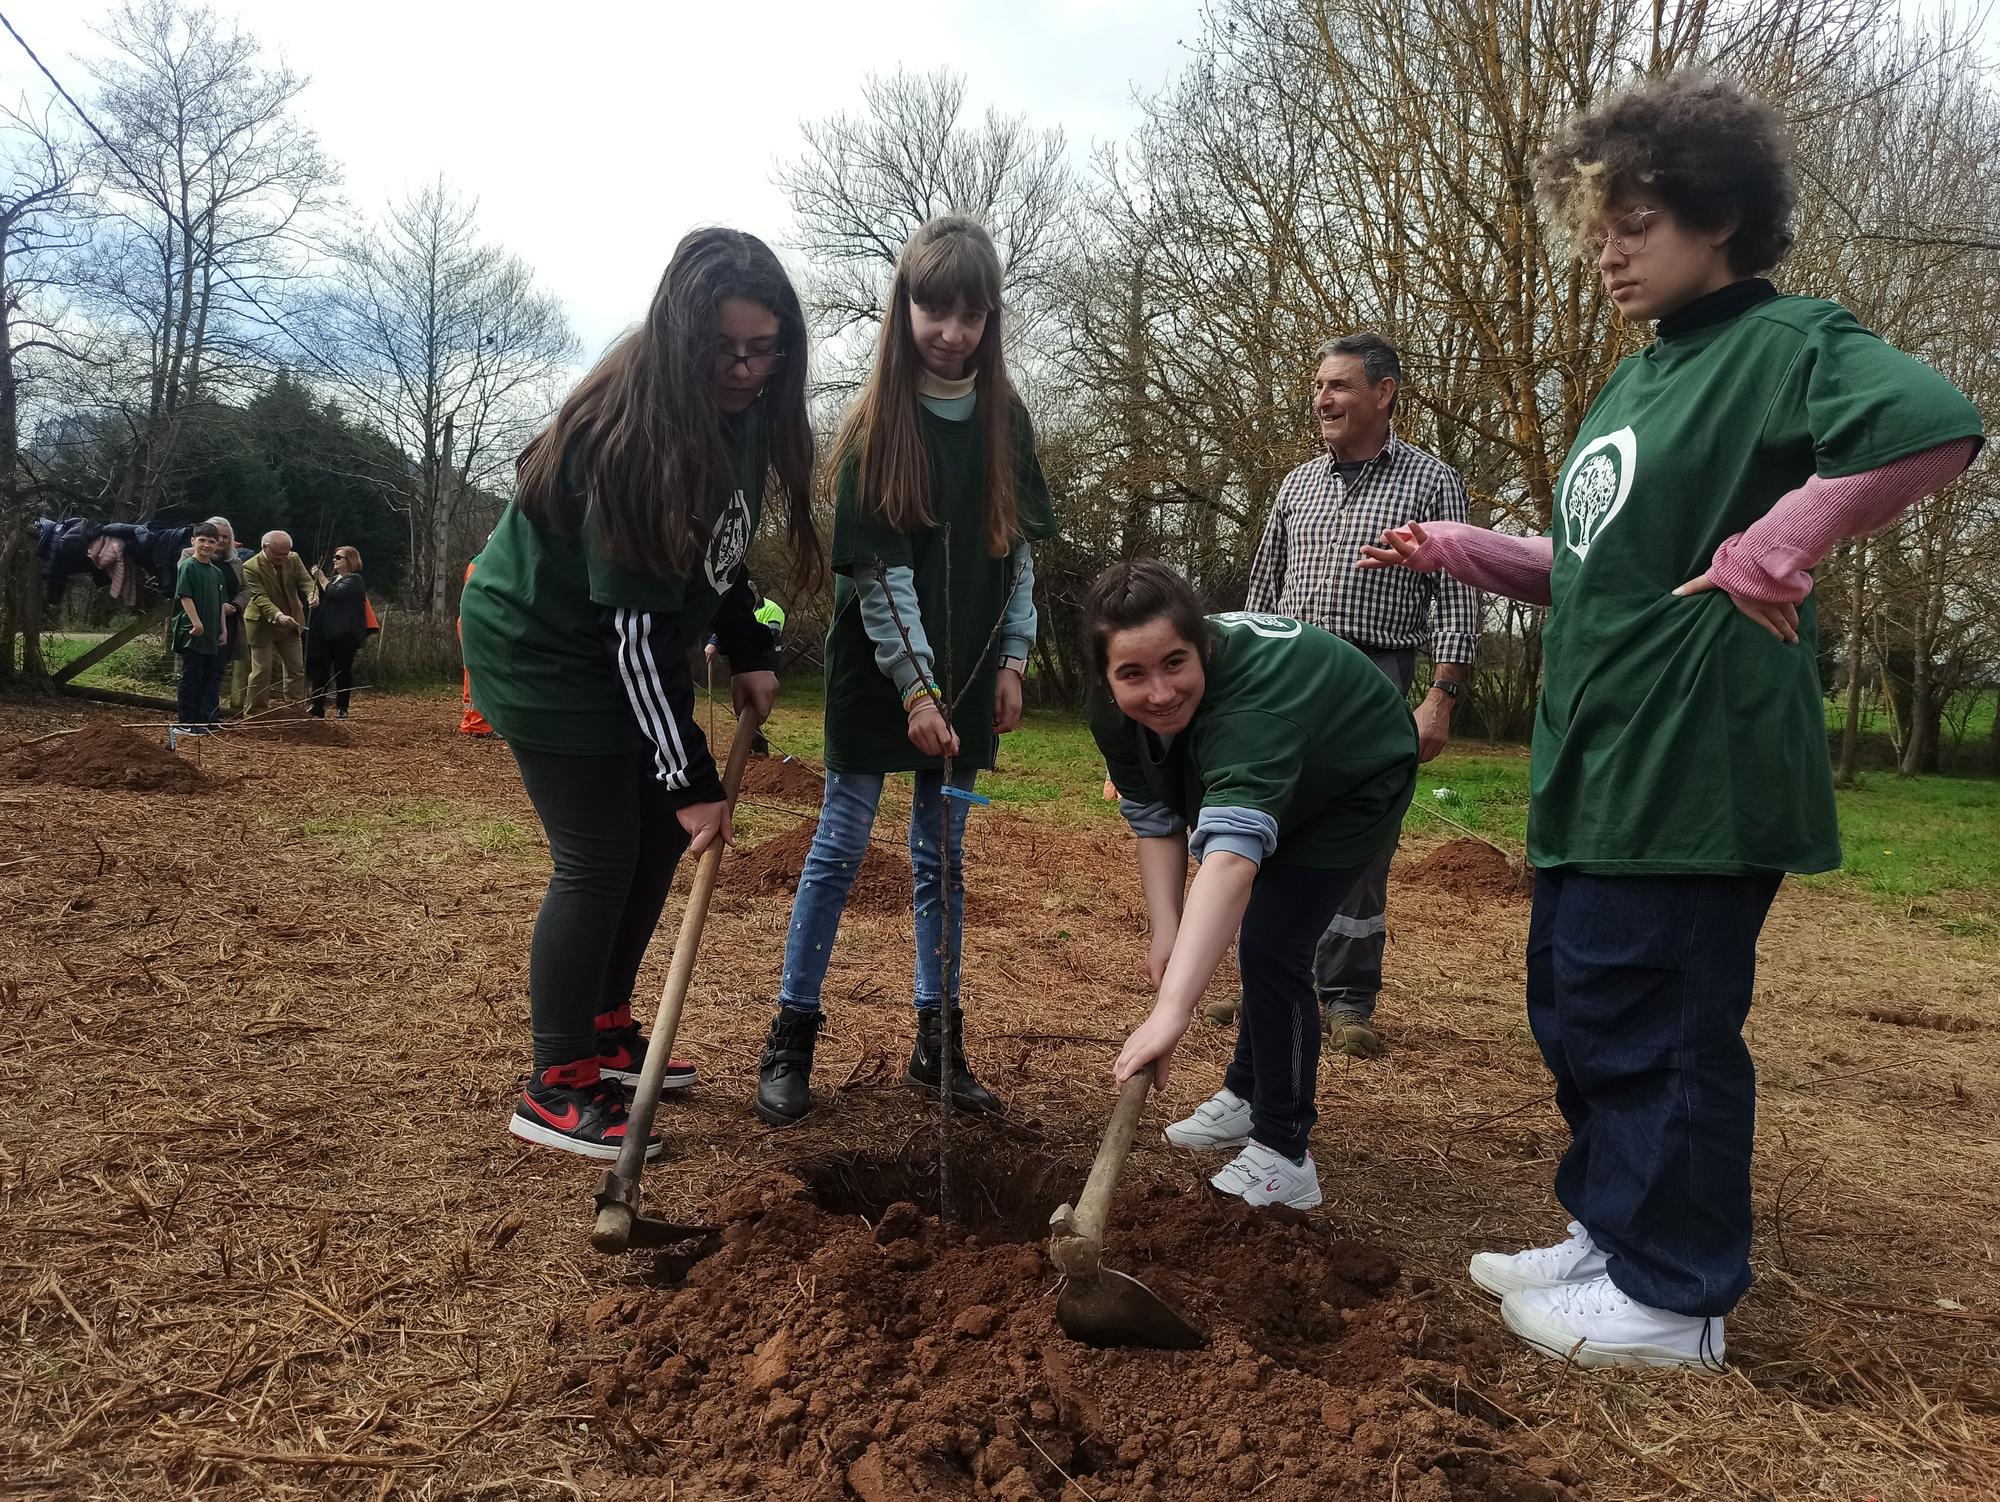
<point x="1702" y="146"/>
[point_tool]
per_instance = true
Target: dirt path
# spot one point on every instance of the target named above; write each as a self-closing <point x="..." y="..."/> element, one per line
<point x="264" y="1235"/>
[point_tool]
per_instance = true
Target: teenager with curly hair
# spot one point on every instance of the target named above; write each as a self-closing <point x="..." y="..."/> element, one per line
<point x="1680" y="764"/>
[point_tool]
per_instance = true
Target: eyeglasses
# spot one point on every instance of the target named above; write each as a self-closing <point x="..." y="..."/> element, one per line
<point x="759" y="363"/>
<point x="1627" y="237"/>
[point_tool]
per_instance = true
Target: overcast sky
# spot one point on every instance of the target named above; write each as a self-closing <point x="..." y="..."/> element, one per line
<point x="595" y="134"/>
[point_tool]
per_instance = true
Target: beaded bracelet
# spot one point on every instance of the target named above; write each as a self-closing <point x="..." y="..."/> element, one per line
<point x="919" y="692"/>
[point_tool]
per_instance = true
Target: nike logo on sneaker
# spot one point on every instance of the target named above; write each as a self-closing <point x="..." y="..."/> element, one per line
<point x="565" y="1122"/>
<point x="1272" y="1187"/>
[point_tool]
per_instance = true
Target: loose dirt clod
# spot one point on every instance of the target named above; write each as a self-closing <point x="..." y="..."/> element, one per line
<point x="1470" y="868"/>
<point x="104" y="754"/>
<point x="922" y="1359"/>
<point x="882" y="885"/>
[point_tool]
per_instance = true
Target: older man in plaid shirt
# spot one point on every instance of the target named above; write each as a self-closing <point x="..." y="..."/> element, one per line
<point x="1368" y="480"/>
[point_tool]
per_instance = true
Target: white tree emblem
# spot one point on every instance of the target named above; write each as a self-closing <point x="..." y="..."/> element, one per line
<point x="1594" y="490"/>
<point x="728" y="543"/>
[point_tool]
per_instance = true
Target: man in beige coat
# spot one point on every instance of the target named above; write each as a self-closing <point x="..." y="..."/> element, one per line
<point x="278" y="592"/>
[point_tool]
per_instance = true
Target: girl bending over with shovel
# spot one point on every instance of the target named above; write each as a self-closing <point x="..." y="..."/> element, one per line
<point x="1283" y="760"/>
<point x="1680" y="763"/>
<point x="623" y="548"/>
<point x="937" y="496"/>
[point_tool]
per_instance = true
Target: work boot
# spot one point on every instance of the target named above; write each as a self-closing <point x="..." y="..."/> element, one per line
<point x="1222" y="1013"/>
<point x="1349" y="1032"/>
<point x="784" y="1069"/>
<point x="966" y="1092"/>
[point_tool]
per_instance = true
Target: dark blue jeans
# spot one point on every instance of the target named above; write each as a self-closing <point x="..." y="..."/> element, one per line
<point x="1638" y="987"/>
<point x="200" y="693"/>
<point x="1276" y="1067"/>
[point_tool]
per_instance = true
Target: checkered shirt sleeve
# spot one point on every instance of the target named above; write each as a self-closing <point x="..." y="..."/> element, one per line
<point x="1304" y="567"/>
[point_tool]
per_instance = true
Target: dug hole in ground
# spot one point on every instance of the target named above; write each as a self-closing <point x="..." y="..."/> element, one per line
<point x="266" y="1235"/>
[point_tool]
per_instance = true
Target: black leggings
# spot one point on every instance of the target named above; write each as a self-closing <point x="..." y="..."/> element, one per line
<point x="332" y="661"/>
<point x="1276" y="1067"/>
<point x="614" y="842"/>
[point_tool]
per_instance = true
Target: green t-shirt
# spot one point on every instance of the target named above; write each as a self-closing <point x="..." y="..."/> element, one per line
<point x="867" y="729"/>
<point x="202" y="583"/>
<point x="1677" y="735"/>
<point x="1294" y="722"/>
<point x="534" y="614"/>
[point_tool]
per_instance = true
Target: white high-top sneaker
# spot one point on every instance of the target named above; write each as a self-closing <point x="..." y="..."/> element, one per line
<point x="1576" y="1260"/>
<point x="1594" y="1324"/>
<point x="1259" y="1176"/>
<point x="1223" y="1120"/>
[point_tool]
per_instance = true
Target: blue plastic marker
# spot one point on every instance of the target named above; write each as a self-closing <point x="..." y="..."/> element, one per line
<point x="967" y="795"/>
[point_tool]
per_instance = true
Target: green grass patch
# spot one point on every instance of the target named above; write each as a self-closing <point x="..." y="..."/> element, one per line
<point x="372" y="835"/>
<point x="141" y="666"/>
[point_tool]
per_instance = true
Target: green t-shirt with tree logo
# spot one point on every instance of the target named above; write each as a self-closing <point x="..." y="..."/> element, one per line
<point x="533" y="615"/>
<point x="867" y="729"/>
<point x="1677" y="735"/>
<point x="1294" y="723"/>
<point x="202" y="583"/>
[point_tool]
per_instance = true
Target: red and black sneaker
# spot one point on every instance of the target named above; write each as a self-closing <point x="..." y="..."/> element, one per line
<point x="621" y="1053"/>
<point x="573" y="1107"/>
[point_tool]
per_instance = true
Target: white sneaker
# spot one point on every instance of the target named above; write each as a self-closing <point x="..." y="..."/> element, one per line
<point x="1223" y="1120"/>
<point x="1593" y="1324"/>
<point x="1576" y="1260"/>
<point x="1259" y="1176"/>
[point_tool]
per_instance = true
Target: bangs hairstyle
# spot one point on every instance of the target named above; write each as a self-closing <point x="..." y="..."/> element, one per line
<point x="1703" y="147"/>
<point x="656" y="467"/>
<point x="1130" y="594"/>
<point x="948" y="261"/>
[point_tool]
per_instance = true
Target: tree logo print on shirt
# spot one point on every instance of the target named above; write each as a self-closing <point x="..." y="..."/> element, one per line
<point x="1595" y="487"/>
<point x="1271" y="627"/>
<point x="728" y="543"/>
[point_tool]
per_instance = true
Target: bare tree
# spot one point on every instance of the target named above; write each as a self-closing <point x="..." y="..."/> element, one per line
<point x="39" y="198"/>
<point x="207" y="186"/>
<point x="457" y="357"/>
<point x="865" y="182"/>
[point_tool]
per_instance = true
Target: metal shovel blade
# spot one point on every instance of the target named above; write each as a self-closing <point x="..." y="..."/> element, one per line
<point x="1114" y="1309"/>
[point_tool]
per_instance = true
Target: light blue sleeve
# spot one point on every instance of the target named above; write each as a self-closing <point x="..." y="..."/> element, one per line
<point x="880" y="623"/>
<point x="1017" y="627"/>
<point x="1248" y="832"/>
<point x="1151" y="821"/>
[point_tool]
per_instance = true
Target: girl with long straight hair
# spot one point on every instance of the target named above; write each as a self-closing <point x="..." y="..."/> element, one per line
<point x="937" y="496"/>
<point x="623" y="548"/>
<point x="1680" y="763"/>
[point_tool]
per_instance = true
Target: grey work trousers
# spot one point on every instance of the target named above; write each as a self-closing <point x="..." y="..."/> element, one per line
<point x="1347" y="966"/>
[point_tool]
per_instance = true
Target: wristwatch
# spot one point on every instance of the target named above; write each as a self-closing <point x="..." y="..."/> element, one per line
<point x="1018" y="664"/>
<point x="1451" y="690"/>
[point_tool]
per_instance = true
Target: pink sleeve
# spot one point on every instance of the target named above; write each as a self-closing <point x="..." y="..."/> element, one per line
<point x="1517" y="567"/>
<point x="1772" y="560"/>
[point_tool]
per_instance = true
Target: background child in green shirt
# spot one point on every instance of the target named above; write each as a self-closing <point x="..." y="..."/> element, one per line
<point x="1680" y="760"/>
<point x="200" y="632"/>
<point x="625" y="541"/>
<point x="1283" y="759"/>
<point x="938" y="494"/>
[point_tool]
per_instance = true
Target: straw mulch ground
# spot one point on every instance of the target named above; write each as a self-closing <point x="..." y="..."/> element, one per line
<point x="264" y="1236"/>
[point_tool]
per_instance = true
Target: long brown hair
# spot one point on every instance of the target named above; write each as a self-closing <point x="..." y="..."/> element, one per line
<point x="656" y="464"/>
<point x="949" y="260"/>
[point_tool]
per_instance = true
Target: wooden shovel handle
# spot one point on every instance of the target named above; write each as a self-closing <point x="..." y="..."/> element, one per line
<point x="1094" y="1204"/>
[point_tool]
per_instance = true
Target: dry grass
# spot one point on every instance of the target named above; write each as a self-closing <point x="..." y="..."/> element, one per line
<point x="263" y="1235"/>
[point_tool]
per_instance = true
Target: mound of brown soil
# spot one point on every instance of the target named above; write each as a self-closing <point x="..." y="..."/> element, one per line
<point x="104" y="754"/>
<point x="836" y="1332"/>
<point x="772" y="867"/>
<point x="783" y="778"/>
<point x="305" y="730"/>
<point x="1470" y="868"/>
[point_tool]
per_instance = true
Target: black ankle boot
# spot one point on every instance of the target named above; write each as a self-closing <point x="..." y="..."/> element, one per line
<point x="966" y="1092"/>
<point x="784" y="1070"/>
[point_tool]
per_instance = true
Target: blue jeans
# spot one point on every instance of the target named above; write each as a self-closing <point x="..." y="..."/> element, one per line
<point x="845" y="819"/>
<point x="1638" y="988"/>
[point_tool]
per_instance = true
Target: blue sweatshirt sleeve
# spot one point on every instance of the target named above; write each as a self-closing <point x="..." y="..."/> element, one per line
<point x="899" y="584"/>
<point x="1017" y="627"/>
<point x="1248" y="832"/>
